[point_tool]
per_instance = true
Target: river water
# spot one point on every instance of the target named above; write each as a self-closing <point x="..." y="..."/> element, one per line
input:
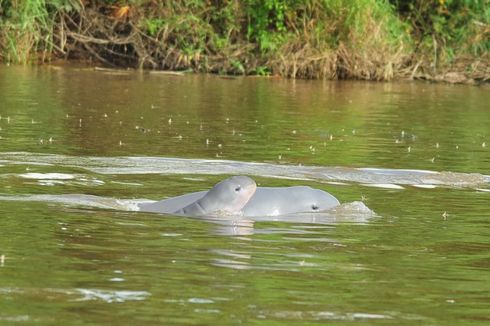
<point x="80" y="148"/>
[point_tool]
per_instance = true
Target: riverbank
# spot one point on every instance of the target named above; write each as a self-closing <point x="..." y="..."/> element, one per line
<point x="335" y="39"/>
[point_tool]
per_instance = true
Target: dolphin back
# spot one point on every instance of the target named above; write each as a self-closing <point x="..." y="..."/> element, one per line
<point x="267" y="201"/>
<point x="172" y="205"/>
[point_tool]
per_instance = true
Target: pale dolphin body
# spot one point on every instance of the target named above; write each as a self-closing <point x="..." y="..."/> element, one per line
<point x="274" y="201"/>
<point x="266" y="201"/>
<point x="227" y="197"/>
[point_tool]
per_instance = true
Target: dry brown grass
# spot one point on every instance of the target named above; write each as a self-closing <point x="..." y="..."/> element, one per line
<point x="330" y="39"/>
<point x="364" y="53"/>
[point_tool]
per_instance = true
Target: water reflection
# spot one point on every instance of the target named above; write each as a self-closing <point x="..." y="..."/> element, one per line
<point x="355" y="212"/>
<point x="79" y="148"/>
<point x="407" y="125"/>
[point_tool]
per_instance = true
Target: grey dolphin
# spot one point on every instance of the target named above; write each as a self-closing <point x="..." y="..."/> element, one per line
<point x="227" y="197"/>
<point x="274" y="201"/>
<point x="266" y="201"/>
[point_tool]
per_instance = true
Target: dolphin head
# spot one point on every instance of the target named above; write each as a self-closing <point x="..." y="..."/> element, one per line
<point x="229" y="196"/>
<point x="307" y="199"/>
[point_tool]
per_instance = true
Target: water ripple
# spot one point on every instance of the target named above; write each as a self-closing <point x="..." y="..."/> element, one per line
<point x="166" y="165"/>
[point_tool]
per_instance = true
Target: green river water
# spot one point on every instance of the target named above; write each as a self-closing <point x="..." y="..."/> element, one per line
<point x="78" y="149"/>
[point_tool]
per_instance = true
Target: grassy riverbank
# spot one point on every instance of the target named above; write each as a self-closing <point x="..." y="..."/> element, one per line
<point x="333" y="39"/>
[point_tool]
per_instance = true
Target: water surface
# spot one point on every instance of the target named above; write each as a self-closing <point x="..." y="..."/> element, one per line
<point x="79" y="147"/>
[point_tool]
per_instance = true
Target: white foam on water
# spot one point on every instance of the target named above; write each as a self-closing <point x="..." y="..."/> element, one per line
<point x="90" y="181"/>
<point x="112" y="296"/>
<point x="171" y="234"/>
<point x="109" y="296"/>
<point x="19" y="318"/>
<point x="200" y="300"/>
<point x="78" y="200"/>
<point x="50" y="182"/>
<point x="53" y="179"/>
<point x="47" y="176"/>
<point x="337" y="183"/>
<point x="9" y="290"/>
<point x="323" y="315"/>
<point x="133" y="204"/>
<point x="127" y="183"/>
<point x="383" y="185"/>
<point x="428" y="186"/>
<point x="230" y="263"/>
<point x="193" y="179"/>
<point x="395" y="171"/>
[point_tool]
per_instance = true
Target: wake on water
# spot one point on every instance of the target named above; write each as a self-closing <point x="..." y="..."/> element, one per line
<point x="374" y="177"/>
<point x="164" y="165"/>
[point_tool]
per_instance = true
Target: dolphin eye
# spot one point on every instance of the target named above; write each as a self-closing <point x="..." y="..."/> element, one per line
<point x="237" y="189"/>
<point x="314" y="207"/>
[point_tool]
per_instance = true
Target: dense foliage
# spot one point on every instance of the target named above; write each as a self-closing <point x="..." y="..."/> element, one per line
<point x="364" y="39"/>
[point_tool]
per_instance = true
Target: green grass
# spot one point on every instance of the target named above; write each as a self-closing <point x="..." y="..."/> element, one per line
<point x="445" y="30"/>
<point x="362" y="39"/>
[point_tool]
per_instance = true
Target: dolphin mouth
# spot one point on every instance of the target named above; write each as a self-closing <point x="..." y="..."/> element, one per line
<point x="248" y="192"/>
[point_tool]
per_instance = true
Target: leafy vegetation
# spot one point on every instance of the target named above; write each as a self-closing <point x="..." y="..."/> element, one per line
<point x="362" y="39"/>
<point x="446" y="30"/>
